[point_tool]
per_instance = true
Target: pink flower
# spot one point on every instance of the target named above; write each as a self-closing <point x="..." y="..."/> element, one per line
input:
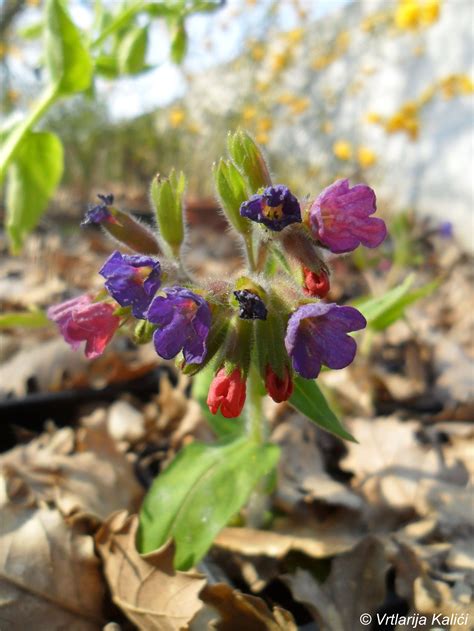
<point x="80" y="319"/>
<point x="340" y="218"/>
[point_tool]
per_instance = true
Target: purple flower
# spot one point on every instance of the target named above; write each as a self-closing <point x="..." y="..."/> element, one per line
<point x="340" y="218"/>
<point x="100" y="213"/>
<point x="80" y="319"/>
<point x="184" y="320"/>
<point x="317" y="334"/>
<point x="446" y="230"/>
<point x="133" y="280"/>
<point x="276" y="208"/>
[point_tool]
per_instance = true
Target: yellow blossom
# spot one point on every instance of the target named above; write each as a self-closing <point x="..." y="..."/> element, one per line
<point x="262" y="138"/>
<point x="249" y="112"/>
<point x="286" y="98"/>
<point x="257" y="52"/>
<point x="342" y="149"/>
<point x="176" y="117"/>
<point x="264" y="124"/>
<point x="298" y="106"/>
<point x="429" y="12"/>
<point x="373" y="117"/>
<point x="407" y="15"/>
<point x="279" y="61"/>
<point x="366" y="157"/>
<point x="294" y="36"/>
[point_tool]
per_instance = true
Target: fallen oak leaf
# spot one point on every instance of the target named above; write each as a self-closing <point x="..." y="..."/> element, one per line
<point x="241" y="611"/>
<point x="49" y="573"/>
<point x="91" y="482"/>
<point x="355" y="585"/>
<point x="151" y="593"/>
<point x="252" y="542"/>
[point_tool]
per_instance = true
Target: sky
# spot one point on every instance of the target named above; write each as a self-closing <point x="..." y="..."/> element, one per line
<point x="213" y="39"/>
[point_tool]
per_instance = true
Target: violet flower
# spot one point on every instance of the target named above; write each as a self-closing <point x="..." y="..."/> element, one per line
<point x="132" y="280"/>
<point x="184" y="320"/>
<point x="340" y="218"/>
<point x="317" y="334"/>
<point x="80" y="319"/>
<point x="276" y="208"/>
<point x="100" y="213"/>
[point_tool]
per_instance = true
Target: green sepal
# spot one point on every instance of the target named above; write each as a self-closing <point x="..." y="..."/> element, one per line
<point x="235" y="352"/>
<point x="143" y="332"/>
<point x="249" y="160"/>
<point x="232" y="192"/>
<point x="269" y="341"/>
<point x="167" y="198"/>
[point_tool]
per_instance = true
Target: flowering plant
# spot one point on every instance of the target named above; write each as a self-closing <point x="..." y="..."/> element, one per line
<point x="269" y="330"/>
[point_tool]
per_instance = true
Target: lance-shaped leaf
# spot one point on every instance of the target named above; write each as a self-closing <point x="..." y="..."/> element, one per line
<point x="308" y="399"/>
<point x="32" y="178"/>
<point x="198" y="493"/>
<point x="67" y="58"/>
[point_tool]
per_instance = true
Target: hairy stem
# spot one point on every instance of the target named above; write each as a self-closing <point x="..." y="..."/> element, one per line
<point x="257" y="431"/>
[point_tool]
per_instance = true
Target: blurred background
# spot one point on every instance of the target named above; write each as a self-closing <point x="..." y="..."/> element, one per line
<point x="379" y="91"/>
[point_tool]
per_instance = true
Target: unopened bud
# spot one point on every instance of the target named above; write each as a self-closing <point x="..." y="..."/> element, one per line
<point x="122" y="227"/>
<point x="167" y="199"/>
<point x="249" y="159"/>
<point x="232" y="192"/>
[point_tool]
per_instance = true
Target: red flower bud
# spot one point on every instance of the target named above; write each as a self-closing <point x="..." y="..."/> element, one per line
<point x="316" y="283"/>
<point x="227" y="392"/>
<point x="279" y="389"/>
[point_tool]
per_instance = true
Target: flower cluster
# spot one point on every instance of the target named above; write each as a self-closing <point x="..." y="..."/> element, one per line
<point x="270" y="319"/>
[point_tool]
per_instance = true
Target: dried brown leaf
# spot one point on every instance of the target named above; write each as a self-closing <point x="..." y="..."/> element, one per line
<point x="241" y="611"/>
<point x="355" y="585"/>
<point x="49" y="575"/>
<point x="251" y="542"/>
<point x="149" y="591"/>
<point x="389" y="463"/>
<point x="92" y="482"/>
<point x="301" y="474"/>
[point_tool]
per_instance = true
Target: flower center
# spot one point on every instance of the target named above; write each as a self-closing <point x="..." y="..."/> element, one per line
<point x="272" y="212"/>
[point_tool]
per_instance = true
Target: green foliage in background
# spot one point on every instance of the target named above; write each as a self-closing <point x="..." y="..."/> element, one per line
<point x="31" y="163"/>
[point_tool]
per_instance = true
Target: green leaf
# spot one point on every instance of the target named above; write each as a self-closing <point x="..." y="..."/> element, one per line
<point x="32" y="31"/>
<point x="67" y="58"/>
<point x="31" y="180"/>
<point x="308" y="399"/>
<point x="383" y="311"/>
<point x="132" y="51"/>
<point x="221" y="426"/>
<point x="25" y="319"/>
<point x="122" y="20"/>
<point x="107" y="66"/>
<point x="179" y="42"/>
<point x="198" y="493"/>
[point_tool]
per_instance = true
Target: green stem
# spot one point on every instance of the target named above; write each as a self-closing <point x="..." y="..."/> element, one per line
<point x="255" y="420"/>
<point x="14" y="139"/>
<point x="250" y="253"/>
<point x="257" y="431"/>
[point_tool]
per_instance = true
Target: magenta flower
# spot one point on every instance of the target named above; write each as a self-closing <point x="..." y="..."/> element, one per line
<point x="184" y="320"/>
<point x="133" y="280"/>
<point x="276" y="208"/>
<point x="340" y="218"/>
<point x="81" y="320"/>
<point x="317" y="334"/>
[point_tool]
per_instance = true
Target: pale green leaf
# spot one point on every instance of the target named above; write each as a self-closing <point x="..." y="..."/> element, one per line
<point x="67" y="58"/>
<point x="132" y="51"/>
<point x="308" y="399"/>
<point x="31" y="180"/>
<point x="198" y="493"/>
